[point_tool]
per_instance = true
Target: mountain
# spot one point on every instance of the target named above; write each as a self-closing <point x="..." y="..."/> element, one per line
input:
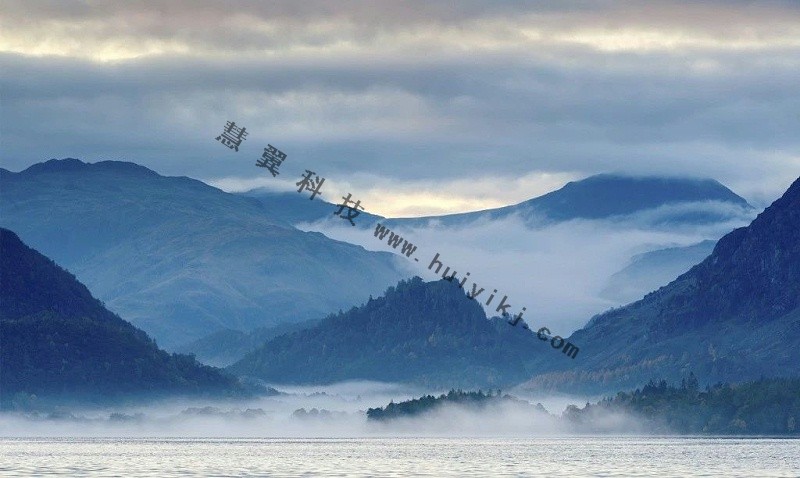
<point x="285" y="207"/>
<point x="179" y="258"/>
<point x="616" y="216"/>
<point x="59" y="341"/>
<point x="423" y="333"/>
<point x="225" y="347"/>
<point x="733" y="317"/>
<point x="605" y="196"/>
<point x="650" y="270"/>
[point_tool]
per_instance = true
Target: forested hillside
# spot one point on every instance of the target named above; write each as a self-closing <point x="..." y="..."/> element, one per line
<point x="768" y="407"/>
<point x="425" y="333"/>
<point x="56" y="340"/>
<point x="735" y="316"/>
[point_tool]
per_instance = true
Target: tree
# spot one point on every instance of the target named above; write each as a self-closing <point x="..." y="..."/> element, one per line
<point x="692" y="384"/>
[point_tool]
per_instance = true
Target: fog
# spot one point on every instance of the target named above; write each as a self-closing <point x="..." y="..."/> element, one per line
<point x="557" y="271"/>
<point x="334" y="411"/>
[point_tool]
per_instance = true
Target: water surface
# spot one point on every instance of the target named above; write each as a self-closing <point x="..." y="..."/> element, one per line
<point x="533" y="457"/>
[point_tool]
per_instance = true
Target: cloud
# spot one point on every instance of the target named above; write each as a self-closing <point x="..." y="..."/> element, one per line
<point x="557" y="272"/>
<point x="382" y="196"/>
<point x="410" y="96"/>
<point x="111" y="32"/>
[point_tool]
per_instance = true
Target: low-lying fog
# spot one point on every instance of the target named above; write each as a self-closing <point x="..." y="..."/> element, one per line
<point x="337" y="410"/>
<point x="557" y="271"/>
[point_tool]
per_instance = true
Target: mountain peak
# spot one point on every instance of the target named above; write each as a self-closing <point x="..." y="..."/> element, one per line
<point x="673" y="200"/>
<point x="417" y="332"/>
<point x="605" y="195"/>
<point x="689" y="184"/>
<point x="181" y="258"/>
<point x="42" y="275"/>
<point x="734" y="316"/>
<point x="73" y="164"/>
<point x="56" y="165"/>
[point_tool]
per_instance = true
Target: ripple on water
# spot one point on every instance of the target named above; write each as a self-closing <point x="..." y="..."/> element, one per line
<point x="534" y="457"/>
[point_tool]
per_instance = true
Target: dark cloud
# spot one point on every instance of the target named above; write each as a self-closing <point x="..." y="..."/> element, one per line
<point x="410" y="90"/>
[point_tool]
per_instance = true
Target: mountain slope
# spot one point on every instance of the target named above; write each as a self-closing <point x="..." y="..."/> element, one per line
<point x="58" y="340"/>
<point x="285" y="207"/>
<point x="607" y="195"/>
<point x="603" y="196"/>
<point x="578" y="236"/>
<point x="179" y="258"/>
<point x="650" y="270"/>
<point x="225" y="347"/>
<point x="735" y="316"/>
<point x="425" y="333"/>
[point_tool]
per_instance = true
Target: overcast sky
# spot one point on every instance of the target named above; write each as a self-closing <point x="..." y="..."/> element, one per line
<point x="414" y="107"/>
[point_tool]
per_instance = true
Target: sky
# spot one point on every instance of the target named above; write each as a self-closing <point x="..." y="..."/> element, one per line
<point x="416" y="108"/>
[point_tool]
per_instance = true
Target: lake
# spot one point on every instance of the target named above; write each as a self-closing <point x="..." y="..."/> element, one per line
<point x="534" y="457"/>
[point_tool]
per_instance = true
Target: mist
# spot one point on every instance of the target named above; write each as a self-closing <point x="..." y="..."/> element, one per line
<point x="332" y="411"/>
<point x="556" y="271"/>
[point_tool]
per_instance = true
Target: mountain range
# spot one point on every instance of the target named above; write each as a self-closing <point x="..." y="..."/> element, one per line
<point x="58" y="342"/>
<point x="627" y="218"/>
<point x="645" y="203"/>
<point x="219" y="274"/>
<point x="673" y="200"/>
<point x="734" y="316"/>
<point x="179" y="258"/>
<point x="602" y="196"/>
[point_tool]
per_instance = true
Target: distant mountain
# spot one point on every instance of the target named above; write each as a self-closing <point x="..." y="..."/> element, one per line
<point x="59" y="341"/>
<point x="604" y="196"/>
<point x="657" y="211"/>
<point x="182" y="259"/>
<point x="225" y="347"/>
<point x="733" y="317"/>
<point x="286" y="207"/>
<point x="650" y="270"/>
<point x="423" y="333"/>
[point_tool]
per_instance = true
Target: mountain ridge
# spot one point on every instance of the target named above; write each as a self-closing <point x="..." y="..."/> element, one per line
<point x="645" y="271"/>
<point x="74" y="164"/>
<point x="182" y="259"/>
<point x="587" y="197"/>
<point x="427" y="333"/>
<point x="721" y="319"/>
<point x="604" y="196"/>
<point x="59" y="341"/>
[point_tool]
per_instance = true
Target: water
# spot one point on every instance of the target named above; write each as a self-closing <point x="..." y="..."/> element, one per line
<point x="533" y="457"/>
